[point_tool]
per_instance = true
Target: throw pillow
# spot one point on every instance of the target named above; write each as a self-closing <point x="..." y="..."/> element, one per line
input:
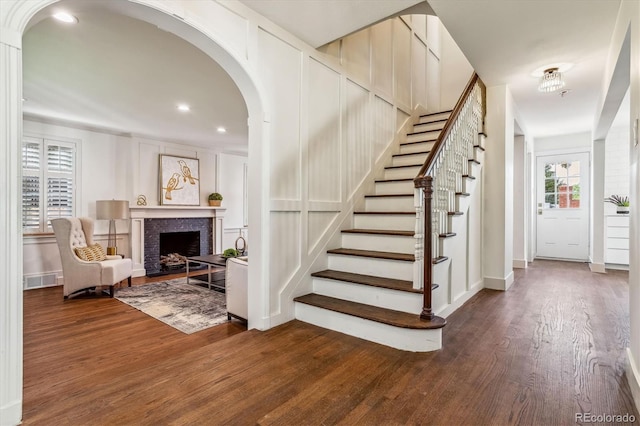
<point x="91" y="253"/>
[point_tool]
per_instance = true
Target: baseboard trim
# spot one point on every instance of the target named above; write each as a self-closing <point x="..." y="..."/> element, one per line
<point x="520" y="263"/>
<point x="597" y="268"/>
<point x="11" y="414"/>
<point x="499" y="283"/>
<point x="633" y="377"/>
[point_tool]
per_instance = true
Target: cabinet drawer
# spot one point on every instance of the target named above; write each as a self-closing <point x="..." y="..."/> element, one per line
<point x="620" y="257"/>
<point x="618" y="243"/>
<point x="617" y="232"/>
<point x="620" y="220"/>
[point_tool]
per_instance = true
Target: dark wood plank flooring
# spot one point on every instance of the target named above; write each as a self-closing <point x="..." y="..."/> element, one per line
<point x="550" y="347"/>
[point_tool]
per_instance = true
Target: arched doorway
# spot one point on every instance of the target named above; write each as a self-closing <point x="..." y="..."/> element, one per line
<point x="15" y="19"/>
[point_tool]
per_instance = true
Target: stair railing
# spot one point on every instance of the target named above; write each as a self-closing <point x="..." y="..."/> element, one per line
<point x="440" y="178"/>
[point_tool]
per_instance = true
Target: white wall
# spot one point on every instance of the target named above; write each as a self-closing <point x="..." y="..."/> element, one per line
<point x="520" y="203"/>
<point x="456" y="71"/>
<point x="232" y="178"/>
<point x="498" y="189"/>
<point x="616" y="166"/>
<point x="579" y="141"/>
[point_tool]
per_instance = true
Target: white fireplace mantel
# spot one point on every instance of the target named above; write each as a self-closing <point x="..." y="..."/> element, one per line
<point x="140" y="213"/>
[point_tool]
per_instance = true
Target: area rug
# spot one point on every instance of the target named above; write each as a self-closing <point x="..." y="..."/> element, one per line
<point x="186" y="307"/>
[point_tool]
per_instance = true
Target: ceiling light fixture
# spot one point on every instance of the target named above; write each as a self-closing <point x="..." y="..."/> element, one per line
<point x="551" y="80"/>
<point x="221" y="130"/>
<point x="184" y="107"/>
<point x="65" y="17"/>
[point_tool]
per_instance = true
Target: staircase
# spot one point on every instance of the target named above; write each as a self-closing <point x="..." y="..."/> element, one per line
<point x="370" y="288"/>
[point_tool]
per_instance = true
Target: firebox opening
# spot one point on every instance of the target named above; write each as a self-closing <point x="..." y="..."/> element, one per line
<point x="175" y="247"/>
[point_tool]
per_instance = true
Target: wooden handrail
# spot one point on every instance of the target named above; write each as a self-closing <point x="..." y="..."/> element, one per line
<point x="424" y="180"/>
<point x="439" y="145"/>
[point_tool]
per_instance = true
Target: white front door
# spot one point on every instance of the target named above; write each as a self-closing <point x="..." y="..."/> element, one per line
<point x="562" y="186"/>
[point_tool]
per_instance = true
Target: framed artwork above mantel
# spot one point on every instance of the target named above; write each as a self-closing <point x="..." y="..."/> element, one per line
<point x="179" y="181"/>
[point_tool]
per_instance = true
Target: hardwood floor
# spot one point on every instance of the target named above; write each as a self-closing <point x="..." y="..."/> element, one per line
<point x="550" y="347"/>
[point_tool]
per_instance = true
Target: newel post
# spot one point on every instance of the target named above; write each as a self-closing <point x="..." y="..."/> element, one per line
<point x="426" y="183"/>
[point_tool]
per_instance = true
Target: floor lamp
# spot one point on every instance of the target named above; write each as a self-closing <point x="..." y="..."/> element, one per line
<point x="112" y="210"/>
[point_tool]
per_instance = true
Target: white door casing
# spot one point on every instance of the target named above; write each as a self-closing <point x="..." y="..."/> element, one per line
<point x="562" y="205"/>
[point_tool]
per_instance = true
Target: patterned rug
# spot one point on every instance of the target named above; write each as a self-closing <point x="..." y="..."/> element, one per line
<point x="186" y="307"/>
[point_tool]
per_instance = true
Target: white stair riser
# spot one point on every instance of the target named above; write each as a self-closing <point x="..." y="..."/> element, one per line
<point x="403" y="173"/>
<point x="400" y="338"/>
<point x="427" y="127"/>
<point x="389" y="204"/>
<point x="427" y="136"/>
<point x="402" y="222"/>
<point x="434" y="117"/>
<point x="375" y="296"/>
<point x="394" y="187"/>
<point x="386" y="268"/>
<point x="408" y="160"/>
<point x="392" y="243"/>
<point x="416" y="147"/>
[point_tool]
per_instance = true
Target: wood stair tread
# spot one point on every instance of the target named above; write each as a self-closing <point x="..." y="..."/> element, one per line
<point x="403" y="167"/>
<point x="372" y="313"/>
<point x="463" y="194"/>
<point x="379" y="232"/>
<point x="411" y="153"/>
<point x="425" y="131"/>
<point x="479" y="147"/>
<point x="395" y="180"/>
<point x="413" y="143"/>
<point x="350" y="277"/>
<point x="436" y="113"/>
<point x="387" y="195"/>
<point x="405" y="257"/>
<point x="386" y="213"/>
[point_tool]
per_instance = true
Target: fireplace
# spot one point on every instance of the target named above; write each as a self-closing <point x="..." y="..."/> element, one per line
<point x="175" y="238"/>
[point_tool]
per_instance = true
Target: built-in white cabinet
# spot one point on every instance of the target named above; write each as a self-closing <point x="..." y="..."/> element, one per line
<point x="617" y="239"/>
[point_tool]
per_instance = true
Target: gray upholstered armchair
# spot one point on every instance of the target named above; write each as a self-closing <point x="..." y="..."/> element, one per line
<point x="84" y="264"/>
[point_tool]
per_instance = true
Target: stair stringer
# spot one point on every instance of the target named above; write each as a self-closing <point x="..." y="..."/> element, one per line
<point x="300" y="282"/>
<point x="460" y="276"/>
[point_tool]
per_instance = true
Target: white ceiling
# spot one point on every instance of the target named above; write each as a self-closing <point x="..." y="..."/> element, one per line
<point x="115" y="72"/>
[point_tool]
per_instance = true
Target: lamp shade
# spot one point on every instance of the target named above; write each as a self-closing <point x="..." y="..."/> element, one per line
<point x="112" y="209"/>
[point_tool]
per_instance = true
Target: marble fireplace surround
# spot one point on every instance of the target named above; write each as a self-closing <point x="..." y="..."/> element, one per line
<point x="140" y="213"/>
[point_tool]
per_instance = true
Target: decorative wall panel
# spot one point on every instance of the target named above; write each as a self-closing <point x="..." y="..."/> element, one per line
<point x="402" y="62"/>
<point x="357" y="146"/>
<point x="318" y="223"/>
<point x="382" y="57"/>
<point x="285" y="253"/>
<point x="382" y="126"/>
<point x="356" y="55"/>
<point x="324" y="133"/>
<point x="279" y="65"/>
<point x="147" y="170"/>
<point x="433" y="82"/>
<point x="419" y="72"/>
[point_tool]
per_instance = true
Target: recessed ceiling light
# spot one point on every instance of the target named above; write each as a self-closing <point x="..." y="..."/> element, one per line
<point x="65" y="17"/>
<point x="184" y="107"/>
<point x="221" y="130"/>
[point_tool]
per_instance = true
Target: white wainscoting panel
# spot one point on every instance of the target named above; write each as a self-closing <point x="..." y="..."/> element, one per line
<point x="419" y="25"/>
<point x="382" y="126"/>
<point x="319" y="222"/>
<point x="357" y="142"/>
<point x="285" y="254"/>
<point x="279" y="64"/>
<point x="419" y="72"/>
<point x="324" y="133"/>
<point x="433" y="81"/>
<point x="382" y="57"/>
<point x="402" y="62"/>
<point x="356" y="55"/>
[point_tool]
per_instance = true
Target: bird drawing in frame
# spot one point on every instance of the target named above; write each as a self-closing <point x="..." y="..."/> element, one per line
<point x="173" y="184"/>
<point x="186" y="173"/>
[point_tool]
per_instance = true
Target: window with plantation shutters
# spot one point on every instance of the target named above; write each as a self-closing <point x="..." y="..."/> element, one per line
<point x="48" y="182"/>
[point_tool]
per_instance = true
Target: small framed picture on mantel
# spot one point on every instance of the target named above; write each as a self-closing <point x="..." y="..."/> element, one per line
<point x="179" y="181"/>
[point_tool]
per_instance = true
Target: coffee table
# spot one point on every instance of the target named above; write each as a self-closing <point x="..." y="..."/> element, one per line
<point x="209" y="260"/>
